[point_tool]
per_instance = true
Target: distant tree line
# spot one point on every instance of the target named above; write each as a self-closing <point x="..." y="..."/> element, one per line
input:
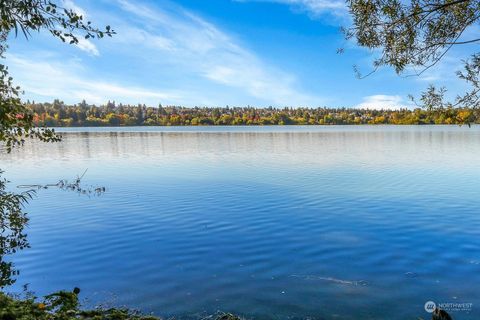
<point x="58" y="114"/>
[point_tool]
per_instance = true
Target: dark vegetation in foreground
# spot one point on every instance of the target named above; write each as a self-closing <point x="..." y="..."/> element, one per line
<point x="59" y="305"/>
<point x="58" y="114"/>
<point x="64" y="305"/>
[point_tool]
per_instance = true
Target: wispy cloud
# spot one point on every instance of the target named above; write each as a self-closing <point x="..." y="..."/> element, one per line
<point x="161" y="53"/>
<point x="69" y="4"/>
<point x="87" y="46"/>
<point x="45" y="79"/>
<point x="381" y="101"/>
<point x="189" y="41"/>
<point x="313" y="7"/>
<point x="83" y="44"/>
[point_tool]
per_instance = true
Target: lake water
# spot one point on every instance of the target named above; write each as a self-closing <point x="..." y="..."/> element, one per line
<point x="363" y="222"/>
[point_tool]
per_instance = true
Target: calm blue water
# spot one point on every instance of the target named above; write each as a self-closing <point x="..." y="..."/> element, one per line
<point x="267" y="222"/>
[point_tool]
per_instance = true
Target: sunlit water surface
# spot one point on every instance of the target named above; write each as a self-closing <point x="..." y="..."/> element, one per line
<point x="268" y="222"/>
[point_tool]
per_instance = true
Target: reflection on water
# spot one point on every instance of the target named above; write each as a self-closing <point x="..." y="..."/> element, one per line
<point x="13" y="219"/>
<point x="330" y="222"/>
<point x="12" y="235"/>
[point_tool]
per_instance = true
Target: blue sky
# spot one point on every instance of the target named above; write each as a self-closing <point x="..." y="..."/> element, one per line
<point x="214" y="53"/>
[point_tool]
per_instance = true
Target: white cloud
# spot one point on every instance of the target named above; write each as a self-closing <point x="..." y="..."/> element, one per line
<point x="83" y="44"/>
<point x="69" y="4"/>
<point x="47" y="80"/>
<point x="188" y="41"/>
<point x="314" y="7"/>
<point x="128" y="35"/>
<point x="87" y="46"/>
<point x="159" y="54"/>
<point x="381" y="101"/>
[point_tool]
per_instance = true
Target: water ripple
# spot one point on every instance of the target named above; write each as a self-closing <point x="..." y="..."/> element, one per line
<point x="317" y="223"/>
